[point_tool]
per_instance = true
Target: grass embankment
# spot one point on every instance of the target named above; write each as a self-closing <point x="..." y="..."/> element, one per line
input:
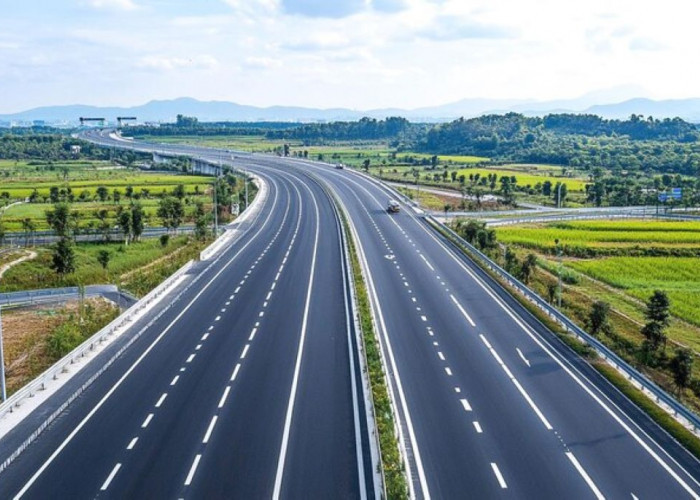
<point x="37" y="273"/>
<point x="35" y="338"/>
<point x="689" y="440"/>
<point x="395" y="480"/>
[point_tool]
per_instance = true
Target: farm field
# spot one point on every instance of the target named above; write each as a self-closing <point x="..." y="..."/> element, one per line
<point x="529" y="177"/>
<point x="601" y="235"/>
<point x="627" y="269"/>
<point x="20" y="180"/>
<point x="640" y="276"/>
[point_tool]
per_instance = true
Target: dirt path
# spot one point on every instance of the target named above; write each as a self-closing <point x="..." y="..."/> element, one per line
<point x="27" y="256"/>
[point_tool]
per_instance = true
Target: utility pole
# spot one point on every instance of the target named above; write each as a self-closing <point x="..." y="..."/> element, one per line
<point x="556" y="242"/>
<point x="216" y="206"/>
<point x="559" y="195"/>
<point x="246" y="188"/>
<point x="2" y="363"/>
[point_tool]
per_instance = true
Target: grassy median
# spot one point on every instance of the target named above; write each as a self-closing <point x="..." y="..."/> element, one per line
<point x="394" y="477"/>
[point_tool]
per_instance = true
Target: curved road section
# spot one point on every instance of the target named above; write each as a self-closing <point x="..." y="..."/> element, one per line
<point x="249" y="387"/>
<point x="489" y="403"/>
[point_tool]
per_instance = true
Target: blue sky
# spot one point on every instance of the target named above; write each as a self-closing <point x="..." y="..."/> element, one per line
<point x="352" y="53"/>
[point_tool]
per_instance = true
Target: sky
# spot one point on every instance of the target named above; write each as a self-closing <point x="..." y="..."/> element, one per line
<point x="359" y="54"/>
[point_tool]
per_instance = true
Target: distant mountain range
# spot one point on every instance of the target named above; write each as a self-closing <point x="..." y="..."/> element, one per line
<point x="166" y="111"/>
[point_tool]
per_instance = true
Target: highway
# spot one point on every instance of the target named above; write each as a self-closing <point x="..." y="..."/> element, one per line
<point x="489" y="403"/>
<point x="248" y="388"/>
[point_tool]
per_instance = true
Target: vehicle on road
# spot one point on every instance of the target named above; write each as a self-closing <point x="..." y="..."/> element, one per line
<point x="393" y="207"/>
<point x="339" y="166"/>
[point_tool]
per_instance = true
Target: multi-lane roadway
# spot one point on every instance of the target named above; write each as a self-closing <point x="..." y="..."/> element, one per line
<point x="252" y="386"/>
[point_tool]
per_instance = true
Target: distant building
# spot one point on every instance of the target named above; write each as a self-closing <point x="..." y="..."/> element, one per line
<point x="75" y="150"/>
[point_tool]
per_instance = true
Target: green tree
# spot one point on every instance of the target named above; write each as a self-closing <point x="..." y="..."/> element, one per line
<point x="657" y="315"/>
<point x="59" y="219"/>
<point x="28" y="227"/>
<point x="682" y="368"/>
<point x="137" y="221"/>
<point x="164" y="239"/>
<point x="598" y="318"/>
<point x="63" y="259"/>
<point x="528" y="267"/>
<point x="102" y="193"/>
<point x="116" y="196"/>
<point x="179" y="191"/>
<point x="124" y="221"/>
<point x="171" y="211"/>
<point x="103" y="257"/>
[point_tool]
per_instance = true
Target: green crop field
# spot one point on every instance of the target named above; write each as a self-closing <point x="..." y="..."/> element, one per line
<point x="19" y="180"/>
<point x="640" y="276"/>
<point x="605" y="234"/>
<point x="528" y="177"/>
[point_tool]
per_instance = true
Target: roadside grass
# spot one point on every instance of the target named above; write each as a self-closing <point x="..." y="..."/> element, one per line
<point x="37" y="273"/>
<point x="37" y="337"/>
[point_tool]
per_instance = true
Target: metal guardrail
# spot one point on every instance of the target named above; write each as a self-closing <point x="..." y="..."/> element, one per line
<point x="51" y="294"/>
<point x="660" y="396"/>
<point x="558" y="218"/>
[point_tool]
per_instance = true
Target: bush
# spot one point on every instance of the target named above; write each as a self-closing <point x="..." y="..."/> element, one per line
<point x="164" y="239"/>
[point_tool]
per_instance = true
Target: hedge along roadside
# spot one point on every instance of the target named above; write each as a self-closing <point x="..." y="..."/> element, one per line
<point x="666" y="421"/>
<point x="395" y="486"/>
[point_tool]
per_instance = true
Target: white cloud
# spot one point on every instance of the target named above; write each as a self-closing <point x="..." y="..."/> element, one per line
<point x="167" y="63"/>
<point x="261" y="63"/>
<point x="113" y="4"/>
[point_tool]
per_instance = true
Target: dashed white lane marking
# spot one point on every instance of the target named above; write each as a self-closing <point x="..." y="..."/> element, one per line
<point x="217" y="318"/>
<point x="517" y="384"/>
<point x="205" y="336"/>
<point x="252" y="334"/>
<point x="211" y="327"/>
<point x="235" y="372"/>
<point x="189" y="360"/>
<point x="427" y="263"/>
<point x="223" y="309"/>
<point x="461" y="309"/>
<point x="132" y="443"/>
<point x="435" y="344"/>
<point x="222" y="401"/>
<point x="105" y="485"/>
<point x="522" y="356"/>
<point x="228" y="303"/>
<point x="424" y="318"/>
<point x="177" y="377"/>
<point x="499" y="476"/>
<point x="413" y="299"/>
<point x="193" y="469"/>
<point x="465" y="404"/>
<point x="241" y="283"/>
<point x="585" y="476"/>
<point x="198" y="347"/>
<point x="262" y="313"/>
<point x="182" y="369"/>
<point x="458" y="390"/>
<point x="162" y="398"/>
<point x="448" y="371"/>
<point x="265" y="304"/>
<point x="230" y="297"/>
<point x="257" y="324"/>
<point x="477" y="426"/>
<point x="274" y="284"/>
<point x="245" y="351"/>
<point x="441" y="356"/>
<point x="210" y="429"/>
<point x="147" y="421"/>
<point x="269" y="294"/>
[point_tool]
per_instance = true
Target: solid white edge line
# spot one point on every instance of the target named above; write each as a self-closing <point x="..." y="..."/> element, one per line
<point x="585" y="476"/>
<point x="300" y="351"/>
<point x="105" y="485"/>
